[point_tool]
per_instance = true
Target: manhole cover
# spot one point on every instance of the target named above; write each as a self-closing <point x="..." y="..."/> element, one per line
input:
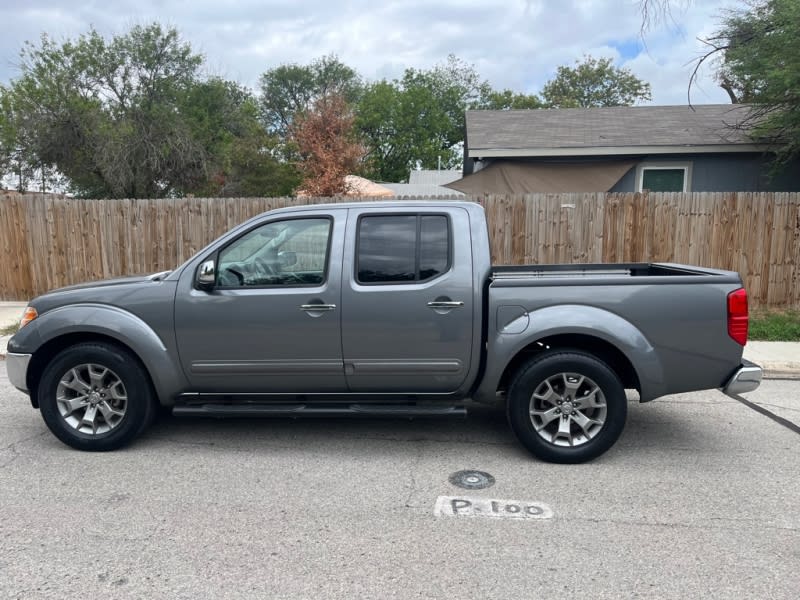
<point x="472" y="480"/>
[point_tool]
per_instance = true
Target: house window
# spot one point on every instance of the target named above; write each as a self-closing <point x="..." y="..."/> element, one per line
<point x="664" y="177"/>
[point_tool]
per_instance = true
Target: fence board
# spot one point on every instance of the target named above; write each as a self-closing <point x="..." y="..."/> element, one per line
<point x="49" y="241"/>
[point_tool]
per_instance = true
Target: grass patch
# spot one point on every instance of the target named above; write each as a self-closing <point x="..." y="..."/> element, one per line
<point x="775" y="326"/>
<point x="9" y="329"/>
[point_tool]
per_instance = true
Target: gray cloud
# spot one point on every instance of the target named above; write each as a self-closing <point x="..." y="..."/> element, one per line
<point x="516" y="43"/>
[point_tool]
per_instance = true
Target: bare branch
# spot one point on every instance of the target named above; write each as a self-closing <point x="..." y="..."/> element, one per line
<point x="715" y="49"/>
<point x="656" y="12"/>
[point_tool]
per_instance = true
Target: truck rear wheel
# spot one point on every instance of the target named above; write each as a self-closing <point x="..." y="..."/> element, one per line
<point x="566" y="406"/>
<point x="96" y="397"/>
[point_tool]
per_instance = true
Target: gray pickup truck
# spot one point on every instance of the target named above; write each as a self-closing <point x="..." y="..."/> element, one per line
<point x="379" y="309"/>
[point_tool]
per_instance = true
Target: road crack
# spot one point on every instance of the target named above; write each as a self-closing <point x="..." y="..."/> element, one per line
<point x="12" y="448"/>
<point x="732" y="520"/>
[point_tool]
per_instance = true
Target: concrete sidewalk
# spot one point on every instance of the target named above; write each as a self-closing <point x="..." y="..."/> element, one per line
<point x="10" y="313"/>
<point x="780" y="360"/>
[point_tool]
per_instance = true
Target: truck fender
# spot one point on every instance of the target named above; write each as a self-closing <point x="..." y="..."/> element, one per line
<point x="524" y="330"/>
<point x="111" y="322"/>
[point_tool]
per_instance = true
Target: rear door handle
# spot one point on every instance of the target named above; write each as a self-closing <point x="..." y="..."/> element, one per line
<point x="317" y="307"/>
<point x="445" y="304"/>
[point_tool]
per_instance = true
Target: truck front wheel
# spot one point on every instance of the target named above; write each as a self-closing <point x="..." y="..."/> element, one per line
<point x="566" y="406"/>
<point x="96" y="396"/>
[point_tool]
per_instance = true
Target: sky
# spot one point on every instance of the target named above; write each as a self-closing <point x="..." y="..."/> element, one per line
<point x="515" y="44"/>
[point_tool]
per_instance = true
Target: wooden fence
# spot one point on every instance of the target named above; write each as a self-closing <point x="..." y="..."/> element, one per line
<point x="49" y="242"/>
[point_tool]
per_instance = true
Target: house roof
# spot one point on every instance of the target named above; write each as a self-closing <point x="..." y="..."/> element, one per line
<point x="608" y="131"/>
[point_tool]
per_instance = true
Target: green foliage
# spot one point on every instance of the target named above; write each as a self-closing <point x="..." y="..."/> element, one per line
<point x="775" y="326"/>
<point x="761" y="65"/>
<point x="104" y="112"/>
<point x="11" y="160"/>
<point x="510" y="100"/>
<point x="418" y="119"/>
<point x="131" y="116"/>
<point x="291" y="89"/>
<point x="242" y="158"/>
<point x="594" y="82"/>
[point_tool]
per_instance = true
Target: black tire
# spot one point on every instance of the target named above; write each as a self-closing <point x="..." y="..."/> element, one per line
<point x="140" y="406"/>
<point x="538" y="372"/>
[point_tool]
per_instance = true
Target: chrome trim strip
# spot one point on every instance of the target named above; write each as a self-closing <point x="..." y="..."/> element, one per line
<point x="402" y="367"/>
<point x="268" y="367"/>
<point x="317" y="307"/>
<point x="17" y="370"/>
<point x="746" y="379"/>
<point x="443" y="304"/>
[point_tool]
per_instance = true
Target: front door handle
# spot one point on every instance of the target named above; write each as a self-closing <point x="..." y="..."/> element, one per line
<point x="317" y="307"/>
<point x="445" y="304"/>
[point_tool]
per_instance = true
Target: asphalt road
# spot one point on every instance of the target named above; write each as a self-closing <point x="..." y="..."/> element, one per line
<point x="699" y="499"/>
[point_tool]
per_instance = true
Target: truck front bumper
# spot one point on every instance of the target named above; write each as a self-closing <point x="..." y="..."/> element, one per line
<point x="17" y="369"/>
<point x="746" y="378"/>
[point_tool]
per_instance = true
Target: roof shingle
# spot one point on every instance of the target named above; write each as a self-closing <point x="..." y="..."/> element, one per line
<point x="622" y="126"/>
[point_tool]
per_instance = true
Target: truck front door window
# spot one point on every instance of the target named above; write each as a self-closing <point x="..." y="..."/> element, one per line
<point x="291" y="252"/>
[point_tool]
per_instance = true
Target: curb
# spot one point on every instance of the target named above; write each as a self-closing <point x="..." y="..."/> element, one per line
<point x="781" y="371"/>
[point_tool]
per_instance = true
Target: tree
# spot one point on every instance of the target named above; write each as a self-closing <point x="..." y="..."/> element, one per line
<point x="418" y="119"/>
<point x="291" y="89"/>
<point x="242" y="157"/>
<point x="14" y="162"/>
<point x="132" y="116"/>
<point x="594" y="82"/>
<point x="760" y="64"/>
<point x="388" y="141"/>
<point x="511" y="100"/>
<point x="326" y="142"/>
<point x="105" y="114"/>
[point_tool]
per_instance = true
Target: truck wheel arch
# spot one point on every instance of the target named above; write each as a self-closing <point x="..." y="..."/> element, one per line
<point x="62" y="327"/>
<point x="47" y="351"/>
<point x="602" y="333"/>
<point x="593" y="345"/>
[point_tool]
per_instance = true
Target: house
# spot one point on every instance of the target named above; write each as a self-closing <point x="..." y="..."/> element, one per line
<point x="618" y="149"/>
<point x="426" y="183"/>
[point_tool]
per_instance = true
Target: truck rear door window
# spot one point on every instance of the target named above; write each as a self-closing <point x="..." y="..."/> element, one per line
<point x="434" y="244"/>
<point x="402" y="248"/>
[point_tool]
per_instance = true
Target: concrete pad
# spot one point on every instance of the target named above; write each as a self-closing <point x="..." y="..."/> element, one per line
<point x="779" y="398"/>
<point x="778" y="359"/>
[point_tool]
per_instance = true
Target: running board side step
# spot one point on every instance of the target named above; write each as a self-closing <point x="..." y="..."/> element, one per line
<point x="317" y="410"/>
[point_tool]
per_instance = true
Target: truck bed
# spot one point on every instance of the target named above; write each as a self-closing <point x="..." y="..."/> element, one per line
<point x="606" y="274"/>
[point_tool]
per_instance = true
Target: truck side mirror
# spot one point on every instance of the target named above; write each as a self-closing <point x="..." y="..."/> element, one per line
<point x="206" y="275"/>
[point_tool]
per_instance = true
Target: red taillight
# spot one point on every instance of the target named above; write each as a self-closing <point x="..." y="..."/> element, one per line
<point x="737" y="315"/>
